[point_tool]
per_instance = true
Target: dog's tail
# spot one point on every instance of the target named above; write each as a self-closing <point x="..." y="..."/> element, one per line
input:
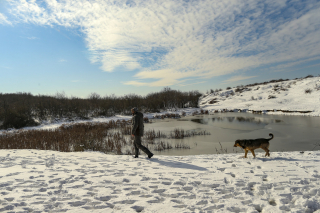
<point x="271" y="135"/>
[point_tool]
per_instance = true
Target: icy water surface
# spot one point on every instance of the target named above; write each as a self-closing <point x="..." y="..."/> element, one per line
<point x="291" y="133"/>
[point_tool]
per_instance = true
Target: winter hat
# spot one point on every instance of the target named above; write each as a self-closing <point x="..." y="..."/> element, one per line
<point x="135" y="109"/>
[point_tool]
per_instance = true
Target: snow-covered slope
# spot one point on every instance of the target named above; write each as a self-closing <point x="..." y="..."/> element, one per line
<point x="299" y="96"/>
<point x="49" y="181"/>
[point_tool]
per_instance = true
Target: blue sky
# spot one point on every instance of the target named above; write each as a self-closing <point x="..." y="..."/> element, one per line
<point x="122" y="47"/>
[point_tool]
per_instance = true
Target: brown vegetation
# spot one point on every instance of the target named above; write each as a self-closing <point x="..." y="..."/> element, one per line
<point x="107" y="137"/>
<point x="69" y="138"/>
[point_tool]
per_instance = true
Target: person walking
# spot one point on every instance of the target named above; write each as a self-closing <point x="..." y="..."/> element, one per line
<point x="137" y="132"/>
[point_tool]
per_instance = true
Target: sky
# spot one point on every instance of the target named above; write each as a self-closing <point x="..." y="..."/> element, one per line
<point x="120" y="47"/>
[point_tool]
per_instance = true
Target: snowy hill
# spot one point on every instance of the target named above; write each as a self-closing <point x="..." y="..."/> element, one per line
<point x="298" y="97"/>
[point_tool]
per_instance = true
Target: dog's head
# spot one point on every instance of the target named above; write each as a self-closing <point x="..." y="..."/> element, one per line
<point x="236" y="143"/>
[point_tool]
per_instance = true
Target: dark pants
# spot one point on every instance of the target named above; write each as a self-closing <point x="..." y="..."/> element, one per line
<point x="137" y="145"/>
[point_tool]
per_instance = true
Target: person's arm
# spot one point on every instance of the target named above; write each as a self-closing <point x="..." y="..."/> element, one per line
<point x="135" y="125"/>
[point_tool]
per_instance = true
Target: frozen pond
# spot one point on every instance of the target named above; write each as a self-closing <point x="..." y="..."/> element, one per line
<point x="291" y="133"/>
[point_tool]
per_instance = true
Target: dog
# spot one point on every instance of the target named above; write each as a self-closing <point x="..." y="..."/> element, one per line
<point x="253" y="144"/>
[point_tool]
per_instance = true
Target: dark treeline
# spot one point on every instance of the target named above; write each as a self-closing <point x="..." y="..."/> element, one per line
<point x="22" y="109"/>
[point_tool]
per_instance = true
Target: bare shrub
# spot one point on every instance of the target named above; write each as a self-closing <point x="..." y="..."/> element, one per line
<point x="238" y="89"/>
<point x="195" y="113"/>
<point x="146" y="120"/>
<point x="272" y="96"/>
<point x="221" y="150"/>
<point x="213" y="101"/>
<point x="161" y="146"/>
<point x="181" y="133"/>
<point x="150" y="135"/>
<point x="182" y="145"/>
<point x="308" y="91"/>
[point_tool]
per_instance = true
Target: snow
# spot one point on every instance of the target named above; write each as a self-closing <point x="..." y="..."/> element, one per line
<point x="289" y="96"/>
<point x="50" y="181"/>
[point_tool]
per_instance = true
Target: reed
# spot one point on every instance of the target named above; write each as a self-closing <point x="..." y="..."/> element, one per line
<point x="181" y="133"/>
<point x="107" y="137"/>
<point x="69" y="138"/>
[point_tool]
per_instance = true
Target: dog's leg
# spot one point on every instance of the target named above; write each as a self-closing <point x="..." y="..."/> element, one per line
<point x="267" y="152"/>
<point x="246" y="152"/>
<point x="252" y="151"/>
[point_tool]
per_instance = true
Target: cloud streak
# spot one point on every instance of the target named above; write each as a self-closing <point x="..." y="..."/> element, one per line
<point x="238" y="78"/>
<point x="168" y="42"/>
<point x="4" y="20"/>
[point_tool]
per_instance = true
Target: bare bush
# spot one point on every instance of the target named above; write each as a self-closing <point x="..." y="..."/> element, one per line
<point x="221" y="150"/>
<point x="182" y="145"/>
<point x="308" y="91"/>
<point x="161" y="146"/>
<point x="213" y="101"/>
<point x="181" y="133"/>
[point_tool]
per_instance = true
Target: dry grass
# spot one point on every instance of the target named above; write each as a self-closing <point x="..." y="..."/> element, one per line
<point x="180" y="133"/>
<point x="69" y="138"/>
<point x="107" y="137"/>
<point x="161" y="146"/>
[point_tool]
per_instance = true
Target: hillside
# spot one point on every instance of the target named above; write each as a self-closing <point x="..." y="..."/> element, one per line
<point x="295" y="97"/>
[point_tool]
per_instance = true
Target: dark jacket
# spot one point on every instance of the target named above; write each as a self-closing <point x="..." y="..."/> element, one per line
<point x="137" y="124"/>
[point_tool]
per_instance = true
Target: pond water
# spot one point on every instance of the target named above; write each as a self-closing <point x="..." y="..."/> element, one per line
<point x="291" y="133"/>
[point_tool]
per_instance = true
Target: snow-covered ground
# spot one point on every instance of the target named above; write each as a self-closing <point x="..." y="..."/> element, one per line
<point x="49" y="181"/>
<point x="286" y="96"/>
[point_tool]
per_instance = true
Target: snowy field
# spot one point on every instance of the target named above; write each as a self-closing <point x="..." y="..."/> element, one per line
<point x="49" y="181"/>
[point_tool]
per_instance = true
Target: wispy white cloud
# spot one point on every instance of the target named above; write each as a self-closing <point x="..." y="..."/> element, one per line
<point x="201" y="82"/>
<point x="283" y="67"/>
<point x="313" y="65"/>
<point x="62" y="60"/>
<point x="171" y="41"/>
<point x="136" y="83"/>
<point x="32" y="38"/>
<point x="238" y="78"/>
<point x="4" y="19"/>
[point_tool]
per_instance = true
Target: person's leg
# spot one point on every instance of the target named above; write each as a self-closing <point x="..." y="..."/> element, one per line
<point x="137" y="140"/>
<point x="136" y="148"/>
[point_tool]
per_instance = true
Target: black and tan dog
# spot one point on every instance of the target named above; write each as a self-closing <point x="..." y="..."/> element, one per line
<point x="253" y="144"/>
